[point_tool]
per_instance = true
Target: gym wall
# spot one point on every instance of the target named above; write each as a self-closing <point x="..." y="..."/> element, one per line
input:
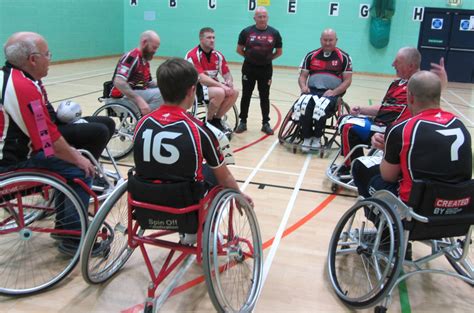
<point x="91" y="28"/>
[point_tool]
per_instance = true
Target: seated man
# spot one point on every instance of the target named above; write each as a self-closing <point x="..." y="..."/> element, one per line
<point x="325" y="72"/>
<point x="359" y="130"/>
<point x="409" y="153"/>
<point x="28" y="137"/>
<point x="170" y="145"/>
<point x="132" y="76"/>
<point x="210" y="63"/>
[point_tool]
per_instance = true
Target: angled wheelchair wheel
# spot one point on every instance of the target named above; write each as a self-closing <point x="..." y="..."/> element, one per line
<point x="42" y="225"/>
<point x="106" y="248"/>
<point x="464" y="267"/>
<point x="364" y="257"/>
<point x="231" y="118"/>
<point x="121" y="143"/>
<point x="289" y="130"/>
<point x="232" y="253"/>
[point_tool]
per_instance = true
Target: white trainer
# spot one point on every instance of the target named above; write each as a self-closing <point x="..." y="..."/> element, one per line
<point x="315" y="143"/>
<point x="306" y="145"/>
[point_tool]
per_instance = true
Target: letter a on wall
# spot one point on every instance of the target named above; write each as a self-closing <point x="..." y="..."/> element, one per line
<point x="133" y="3"/>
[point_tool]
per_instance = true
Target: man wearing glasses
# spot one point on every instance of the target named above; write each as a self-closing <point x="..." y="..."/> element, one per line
<point x="28" y="137"/>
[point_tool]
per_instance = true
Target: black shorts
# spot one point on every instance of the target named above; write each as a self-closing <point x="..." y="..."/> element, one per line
<point x="202" y="93"/>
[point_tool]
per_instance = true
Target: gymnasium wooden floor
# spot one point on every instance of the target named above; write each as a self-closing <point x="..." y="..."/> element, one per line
<point x="293" y="201"/>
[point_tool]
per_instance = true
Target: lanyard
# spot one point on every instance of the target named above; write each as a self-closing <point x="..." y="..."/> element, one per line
<point x="42" y="128"/>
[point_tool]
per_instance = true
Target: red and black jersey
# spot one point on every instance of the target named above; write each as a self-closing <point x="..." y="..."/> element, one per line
<point x="337" y="63"/>
<point x="259" y="44"/>
<point x="394" y="104"/>
<point x="19" y="133"/>
<point x="134" y="69"/>
<point x="212" y="64"/>
<point x="432" y="145"/>
<point x="170" y="146"/>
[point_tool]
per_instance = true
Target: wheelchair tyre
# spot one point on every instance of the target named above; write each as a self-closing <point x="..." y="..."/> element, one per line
<point x="108" y="235"/>
<point x="232" y="253"/>
<point x="465" y="267"/>
<point x="126" y="119"/>
<point x="231" y="118"/>
<point x="30" y="259"/>
<point x="289" y="130"/>
<point x="364" y="257"/>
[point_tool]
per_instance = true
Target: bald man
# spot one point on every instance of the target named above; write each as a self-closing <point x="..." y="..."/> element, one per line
<point x="324" y="72"/>
<point x="28" y="137"/>
<point x="415" y="159"/>
<point x="132" y="76"/>
<point x="259" y="44"/>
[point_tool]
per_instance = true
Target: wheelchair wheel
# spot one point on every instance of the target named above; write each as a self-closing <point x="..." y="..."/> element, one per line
<point x="466" y="266"/>
<point x="37" y="249"/>
<point x="364" y="257"/>
<point x="106" y="248"/>
<point x="231" y="118"/>
<point x="125" y="120"/>
<point x="232" y="253"/>
<point x="289" y="130"/>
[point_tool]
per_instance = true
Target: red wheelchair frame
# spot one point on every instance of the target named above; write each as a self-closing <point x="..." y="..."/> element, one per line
<point x="231" y="245"/>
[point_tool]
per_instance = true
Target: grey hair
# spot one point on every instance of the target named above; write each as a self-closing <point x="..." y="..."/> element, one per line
<point x="18" y="52"/>
<point x="412" y="55"/>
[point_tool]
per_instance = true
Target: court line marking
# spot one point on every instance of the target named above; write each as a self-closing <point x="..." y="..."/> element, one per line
<point x="461" y="98"/>
<point x="284" y="221"/>
<point x="259" y="165"/>
<point x="459" y="112"/>
<point x="264" y="170"/>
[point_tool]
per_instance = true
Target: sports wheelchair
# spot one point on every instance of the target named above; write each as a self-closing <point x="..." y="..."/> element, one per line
<point x="230" y="120"/>
<point x="33" y="227"/>
<point x="228" y="240"/>
<point x="126" y="116"/>
<point x="368" y="247"/>
<point x="290" y="130"/>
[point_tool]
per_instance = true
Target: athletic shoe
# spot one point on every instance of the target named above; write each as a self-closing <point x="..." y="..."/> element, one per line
<point x="216" y="122"/>
<point x="267" y="129"/>
<point x="306" y="145"/>
<point x="70" y="246"/>
<point x="187" y="239"/>
<point x="241" y="128"/>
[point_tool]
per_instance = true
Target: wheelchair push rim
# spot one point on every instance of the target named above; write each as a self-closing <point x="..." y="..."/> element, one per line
<point x="234" y="273"/>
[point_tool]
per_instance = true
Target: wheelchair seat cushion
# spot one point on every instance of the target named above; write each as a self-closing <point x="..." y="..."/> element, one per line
<point x="448" y="207"/>
<point x="174" y="195"/>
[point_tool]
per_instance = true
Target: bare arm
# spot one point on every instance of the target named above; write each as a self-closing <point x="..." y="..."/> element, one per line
<point x="229" y="80"/>
<point x="369" y="111"/>
<point x="277" y="53"/>
<point x="303" y="81"/>
<point x="240" y="50"/>
<point x="125" y="88"/>
<point x="67" y="153"/>
<point x="439" y="70"/>
<point x="224" y="178"/>
<point x="390" y="172"/>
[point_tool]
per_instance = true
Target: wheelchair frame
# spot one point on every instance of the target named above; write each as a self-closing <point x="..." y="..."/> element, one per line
<point x="384" y="260"/>
<point x="219" y="205"/>
<point x="126" y="116"/>
<point x="290" y="130"/>
<point x="27" y="205"/>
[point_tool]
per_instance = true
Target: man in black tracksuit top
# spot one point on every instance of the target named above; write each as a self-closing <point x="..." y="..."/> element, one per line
<point x="259" y="44"/>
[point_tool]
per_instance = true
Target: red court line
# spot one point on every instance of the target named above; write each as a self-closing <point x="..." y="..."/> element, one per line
<point x="265" y="245"/>
<point x="264" y="136"/>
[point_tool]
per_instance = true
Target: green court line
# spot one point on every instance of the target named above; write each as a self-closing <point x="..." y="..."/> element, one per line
<point x="404" y="299"/>
<point x="370" y="101"/>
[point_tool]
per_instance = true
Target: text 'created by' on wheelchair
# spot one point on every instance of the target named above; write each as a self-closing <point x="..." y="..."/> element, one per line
<point x="369" y="244"/>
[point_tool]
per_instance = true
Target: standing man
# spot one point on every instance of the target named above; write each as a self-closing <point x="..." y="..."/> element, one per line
<point x="28" y="137"/>
<point x="324" y="72"/>
<point x="210" y="63"/>
<point x="132" y="77"/>
<point x="259" y="44"/>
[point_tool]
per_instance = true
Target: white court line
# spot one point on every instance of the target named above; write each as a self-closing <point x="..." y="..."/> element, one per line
<point x="108" y="70"/>
<point x="459" y="112"/>
<point x="284" y="221"/>
<point x="461" y="98"/>
<point x="264" y="170"/>
<point x="74" y="79"/>
<point x="257" y="168"/>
